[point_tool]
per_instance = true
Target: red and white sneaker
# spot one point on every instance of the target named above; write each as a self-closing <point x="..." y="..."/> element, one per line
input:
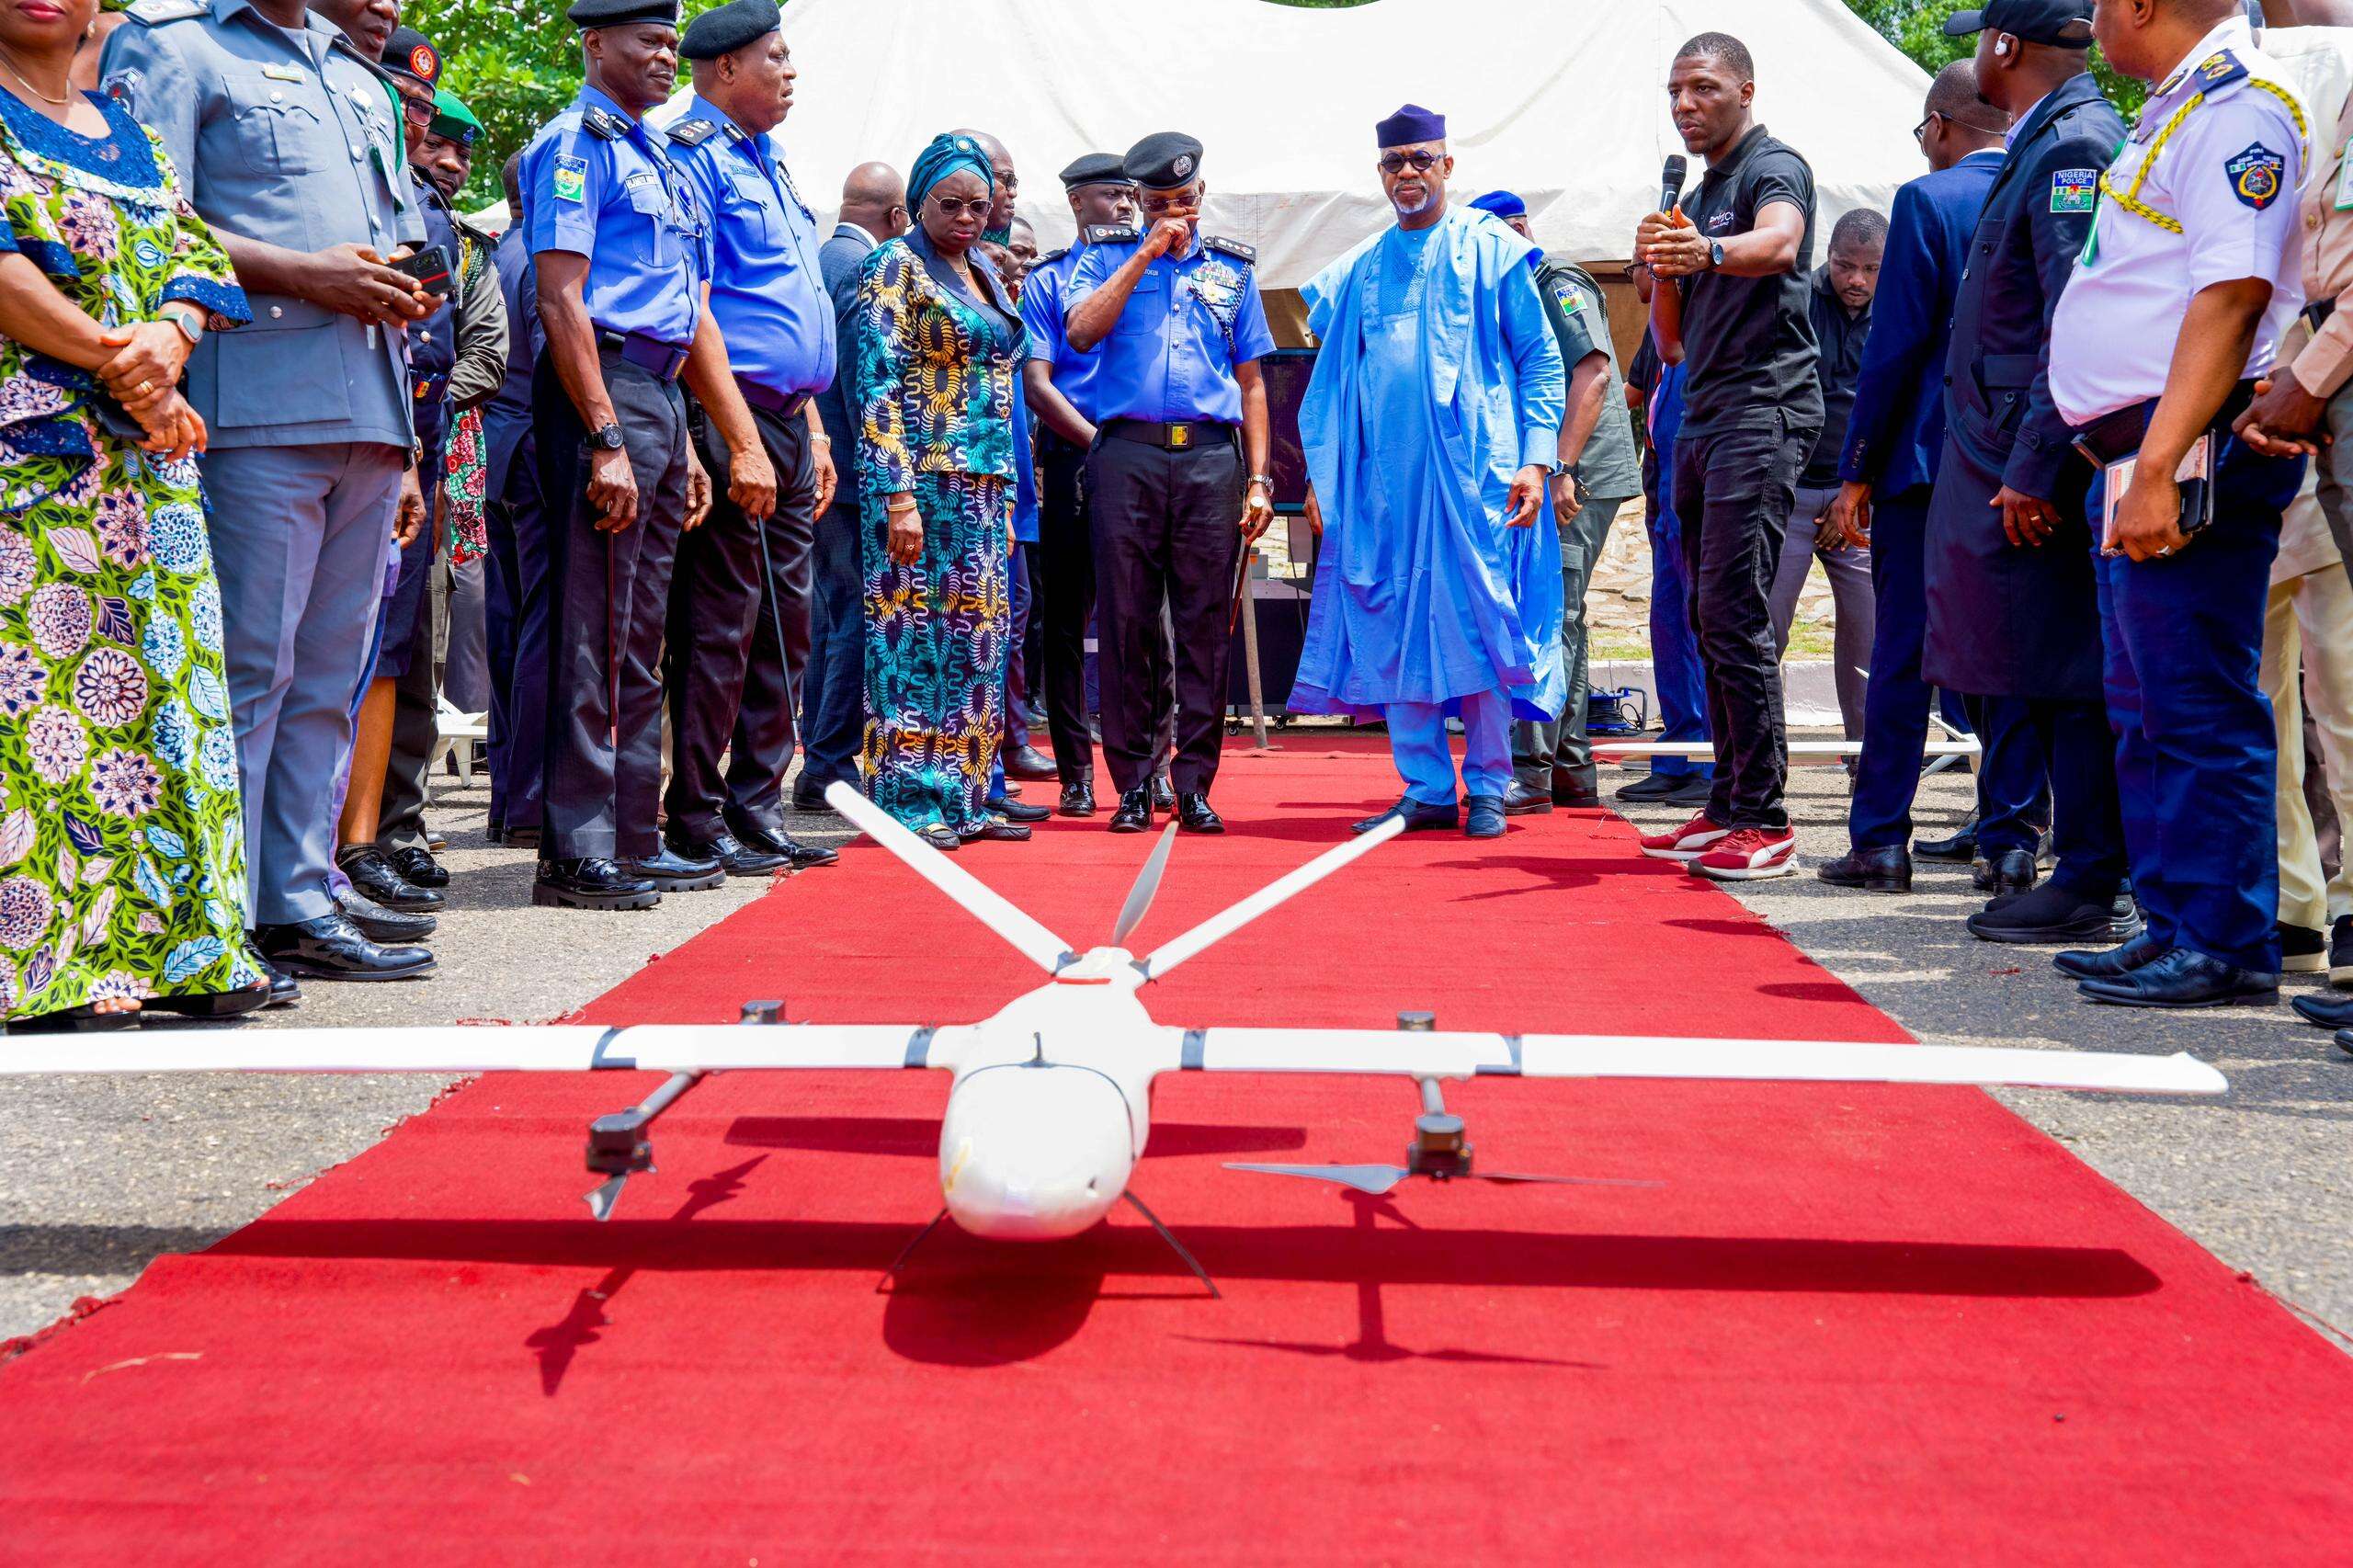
<point x="1748" y="855"/>
<point x="1684" y="843"/>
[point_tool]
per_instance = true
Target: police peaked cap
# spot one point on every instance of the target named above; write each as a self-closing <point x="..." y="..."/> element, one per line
<point x="723" y="30"/>
<point x="1096" y="168"/>
<point x="589" y="13"/>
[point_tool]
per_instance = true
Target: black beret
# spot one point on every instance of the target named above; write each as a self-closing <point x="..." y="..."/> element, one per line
<point x="1163" y="161"/>
<point x="588" y="14"/>
<point x="723" y="30"/>
<point x="1096" y="168"/>
<point x="411" y="53"/>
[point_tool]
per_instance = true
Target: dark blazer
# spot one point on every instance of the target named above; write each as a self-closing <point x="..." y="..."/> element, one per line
<point x="837" y="263"/>
<point x="1897" y="430"/>
<point x="2005" y="620"/>
<point x="507" y="417"/>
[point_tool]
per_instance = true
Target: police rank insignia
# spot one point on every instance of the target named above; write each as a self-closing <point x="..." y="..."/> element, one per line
<point x="2255" y="175"/>
<point x="1219" y="286"/>
<point x="2073" y="190"/>
<point x="571" y="178"/>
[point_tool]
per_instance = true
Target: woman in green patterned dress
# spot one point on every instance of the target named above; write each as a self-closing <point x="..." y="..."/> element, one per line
<point x="121" y="859"/>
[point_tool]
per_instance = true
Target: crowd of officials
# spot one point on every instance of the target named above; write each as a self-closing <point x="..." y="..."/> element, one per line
<point x="721" y="489"/>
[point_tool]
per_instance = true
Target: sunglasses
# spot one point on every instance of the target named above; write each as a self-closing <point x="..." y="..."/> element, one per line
<point x="953" y="206"/>
<point x="1419" y="161"/>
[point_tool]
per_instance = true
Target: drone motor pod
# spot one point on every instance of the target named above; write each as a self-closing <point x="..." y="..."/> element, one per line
<point x="1438" y="1150"/>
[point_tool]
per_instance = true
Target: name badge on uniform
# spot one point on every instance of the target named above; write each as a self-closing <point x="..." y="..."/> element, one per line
<point x="571" y="178"/>
<point x="2345" y="180"/>
<point x="2074" y="190"/>
<point x="282" y="73"/>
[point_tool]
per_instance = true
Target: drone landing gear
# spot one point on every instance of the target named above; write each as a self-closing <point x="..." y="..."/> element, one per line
<point x="618" y="1145"/>
<point x="900" y="1262"/>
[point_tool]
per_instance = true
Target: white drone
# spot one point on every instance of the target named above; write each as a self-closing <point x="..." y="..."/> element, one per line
<point x="1052" y="1097"/>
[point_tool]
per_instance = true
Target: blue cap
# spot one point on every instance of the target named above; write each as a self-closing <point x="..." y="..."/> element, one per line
<point x="1502" y="203"/>
<point x="2066" y="24"/>
<point x="1410" y="124"/>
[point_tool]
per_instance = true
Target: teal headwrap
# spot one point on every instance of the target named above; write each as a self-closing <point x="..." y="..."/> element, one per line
<point x="944" y="156"/>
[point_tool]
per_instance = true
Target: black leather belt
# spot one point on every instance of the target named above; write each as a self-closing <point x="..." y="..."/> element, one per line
<point x="665" y="359"/>
<point x="2114" y="437"/>
<point x="774" y="402"/>
<point x="1178" y="438"/>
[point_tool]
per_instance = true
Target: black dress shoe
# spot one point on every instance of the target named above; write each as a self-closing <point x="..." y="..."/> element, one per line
<point x="2340" y="951"/>
<point x="996" y="830"/>
<point x="1134" y="815"/>
<point x="2006" y="875"/>
<point x="2183" y="979"/>
<point x="2327" y="1009"/>
<point x="1653" y="787"/>
<point x="374" y="875"/>
<point x="1195" y="814"/>
<point x="735" y="858"/>
<point x="2057" y="914"/>
<point x="418" y="868"/>
<point x="380" y="924"/>
<point x="673" y="872"/>
<point x="1961" y="846"/>
<point x="514" y="837"/>
<point x="1078" y="799"/>
<point x="1482" y="816"/>
<point x="592" y="882"/>
<point x="776" y="841"/>
<point x="1028" y="762"/>
<point x="1164" y="792"/>
<point x="1522" y="799"/>
<point x="1578" y="789"/>
<point x="1695" y="791"/>
<point x="331" y="947"/>
<point x="2302" y="950"/>
<point x="2146" y="947"/>
<point x="1884" y="869"/>
<point x="1018" y="810"/>
<point x="1420" y="816"/>
<point x="283" y="992"/>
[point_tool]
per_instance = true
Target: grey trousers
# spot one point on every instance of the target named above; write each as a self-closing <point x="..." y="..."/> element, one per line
<point x="1542" y="751"/>
<point x="298" y="537"/>
<point x="1849" y="571"/>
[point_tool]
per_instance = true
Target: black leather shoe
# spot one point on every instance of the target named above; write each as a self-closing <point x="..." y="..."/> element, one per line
<point x="1078" y="799"/>
<point x="809" y="799"/>
<point x="1420" y="816"/>
<point x="776" y="841"/>
<point x="514" y="837"/>
<point x="1028" y="762"/>
<point x="1578" y="789"/>
<point x="1134" y="815"/>
<point x="673" y="872"/>
<point x="1653" y="787"/>
<point x="2340" y="951"/>
<point x="591" y="882"/>
<point x="2327" y="1009"/>
<point x="735" y="858"/>
<point x="1164" y="792"/>
<point x="283" y="992"/>
<point x="1521" y="799"/>
<point x="374" y="875"/>
<point x="331" y="947"/>
<point x="996" y="830"/>
<point x="1482" y="816"/>
<point x="1018" y="810"/>
<point x="2006" y="875"/>
<point x="380" y="924"/>
<point x="2183" y="979"/>
<point x="2345" y="1041"/>
<point x="418" y="868"/>
<point x="1961" y="846"/>
<point x="2106" y="965"/>
<point x="1885" y="868"/>
<point x="2302" y="950"/>
<point x="1195" y="814"/>
<point x="1695" y="791"/>
<point x="2055" y="913"/>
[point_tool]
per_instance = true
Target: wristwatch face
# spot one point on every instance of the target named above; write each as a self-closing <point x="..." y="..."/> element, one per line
<point x="1715" y="253"/>
<point x="609" y="438"/>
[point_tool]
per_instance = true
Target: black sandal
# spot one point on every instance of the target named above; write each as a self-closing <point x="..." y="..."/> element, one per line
<point x="84" y="1020"/>
<point x="214" y="1004"/>
<point x="939" y="836"/>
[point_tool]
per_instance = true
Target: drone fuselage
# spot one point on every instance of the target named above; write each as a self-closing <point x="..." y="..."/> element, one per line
<point x="1052" y="1104"/>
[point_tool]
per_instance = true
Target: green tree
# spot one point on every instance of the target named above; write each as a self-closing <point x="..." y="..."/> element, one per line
<point x="1917" y="27"/>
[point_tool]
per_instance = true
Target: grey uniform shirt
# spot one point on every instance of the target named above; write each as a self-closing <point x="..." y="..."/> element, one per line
<point x="288" y="137"/>
<point x="1607" y="469"/>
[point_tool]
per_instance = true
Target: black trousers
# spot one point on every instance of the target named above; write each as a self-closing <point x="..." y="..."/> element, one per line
<point x="739" y="639"/>
<point x="1063" y="575"/>
<point x="1733" y="492"/>
<point x="608" y="595"/>
<point x="1166" y="528"/>
<point x="517" y="613"/>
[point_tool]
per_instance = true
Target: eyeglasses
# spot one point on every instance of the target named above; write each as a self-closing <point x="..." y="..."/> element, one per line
<point x="951" y="205"/>
<point x="1920" y="131"/>
<point x="417" y="112"/>
<point x="1421" y="160"/>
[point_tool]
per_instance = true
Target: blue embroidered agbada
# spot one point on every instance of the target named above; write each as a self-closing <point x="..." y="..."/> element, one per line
<point x="1439" y="378"/>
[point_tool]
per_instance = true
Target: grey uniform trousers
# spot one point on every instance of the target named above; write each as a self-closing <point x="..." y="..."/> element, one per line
<point x="1852" y="602"/>
<point x="1543" y="751"/>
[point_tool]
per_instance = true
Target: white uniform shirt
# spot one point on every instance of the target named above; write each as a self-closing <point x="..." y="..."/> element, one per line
<point x="2228" y="176"/>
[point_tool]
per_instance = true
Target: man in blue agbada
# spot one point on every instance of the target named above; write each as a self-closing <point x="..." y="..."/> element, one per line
<point x="1431" y="426"/>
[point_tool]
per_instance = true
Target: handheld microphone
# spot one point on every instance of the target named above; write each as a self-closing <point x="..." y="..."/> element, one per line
<point x="1670" y="188"/>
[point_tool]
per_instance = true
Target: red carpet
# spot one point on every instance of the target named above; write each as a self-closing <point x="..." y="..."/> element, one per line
<point x="1854" y="1323"/>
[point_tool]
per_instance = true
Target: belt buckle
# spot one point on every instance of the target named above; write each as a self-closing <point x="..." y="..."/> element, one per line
<point x="1179" y="437"/>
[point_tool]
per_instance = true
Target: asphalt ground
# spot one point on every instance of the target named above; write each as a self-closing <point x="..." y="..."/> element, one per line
<point x="98" y="1175"/>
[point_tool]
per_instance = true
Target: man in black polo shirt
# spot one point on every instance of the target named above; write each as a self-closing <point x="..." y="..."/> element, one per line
<point x="1737" y="321"/>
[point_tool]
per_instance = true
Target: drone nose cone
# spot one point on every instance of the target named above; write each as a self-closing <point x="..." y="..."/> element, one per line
<point x="1032" y="1153"/>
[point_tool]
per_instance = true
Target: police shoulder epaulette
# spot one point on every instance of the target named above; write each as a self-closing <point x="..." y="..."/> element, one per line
<point x="693" y="133"/>
<point x="1111" y="234"/>
<point x="1054" y="255"/>
<point x="1234" y="248"/>
<point x="2218" y="71"/>
<point x="604" y="123"/>
<point x="154" y="13"/>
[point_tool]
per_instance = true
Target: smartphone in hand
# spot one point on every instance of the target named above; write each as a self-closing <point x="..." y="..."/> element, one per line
<point x="430" y="267"/>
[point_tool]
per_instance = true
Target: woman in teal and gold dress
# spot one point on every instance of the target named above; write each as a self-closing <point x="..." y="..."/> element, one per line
<point x="121" y="862"/>
<point x="933" y="391"/>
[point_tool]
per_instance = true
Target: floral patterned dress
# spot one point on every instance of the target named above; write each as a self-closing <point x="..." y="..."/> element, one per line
<point x="121" y="852"/>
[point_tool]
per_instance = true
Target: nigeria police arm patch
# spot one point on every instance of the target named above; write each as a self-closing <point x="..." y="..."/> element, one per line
<point x="2073" y="190"/>
<point x="2256" y="175"/>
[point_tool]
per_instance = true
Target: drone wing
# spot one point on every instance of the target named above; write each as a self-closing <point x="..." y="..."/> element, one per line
<point x="1226" y="922"/>
<point x="979" y="900"/>
<point x="554" y="1048"/>
<point x="1434" y="1054"/>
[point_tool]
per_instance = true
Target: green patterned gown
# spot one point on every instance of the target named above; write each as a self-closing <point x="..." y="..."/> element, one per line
<point x="121" y="851"/>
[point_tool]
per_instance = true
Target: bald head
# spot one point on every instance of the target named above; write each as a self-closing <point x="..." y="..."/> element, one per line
<point x="875" y="199"/>
<point x="1008" y="184"/>
<point x="1954" y="95"/>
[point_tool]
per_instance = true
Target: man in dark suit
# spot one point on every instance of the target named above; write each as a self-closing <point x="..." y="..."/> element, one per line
<point x="2013" y="609"/>
<point x="1888" y="466"/>
<point x="832" y="702"/>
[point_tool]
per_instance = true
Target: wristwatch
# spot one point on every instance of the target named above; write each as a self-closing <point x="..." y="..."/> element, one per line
<point x="1266" y="479"/>
<point x="189" y="329"/>
<point x="609" y="438"/>
<point x="1715" y="255"/>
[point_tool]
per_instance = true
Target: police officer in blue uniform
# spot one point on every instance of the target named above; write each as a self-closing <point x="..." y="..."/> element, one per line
<point x="623" y="265"/>
<point x="1176" y="479"/>
<point x="2012" y="617"/>
<point x="739" y="603"/>
<point x="2184" y="289"/>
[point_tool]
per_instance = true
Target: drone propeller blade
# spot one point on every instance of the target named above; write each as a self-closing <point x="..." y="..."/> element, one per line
<point x="979" y="900"/>
<point x="1131" y="913"/>
<point x="1564" y="1181"/>
<point x="1227" y="922"/>
<point x="1370" y="1179"/>
<point x="601" y="1201"/>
